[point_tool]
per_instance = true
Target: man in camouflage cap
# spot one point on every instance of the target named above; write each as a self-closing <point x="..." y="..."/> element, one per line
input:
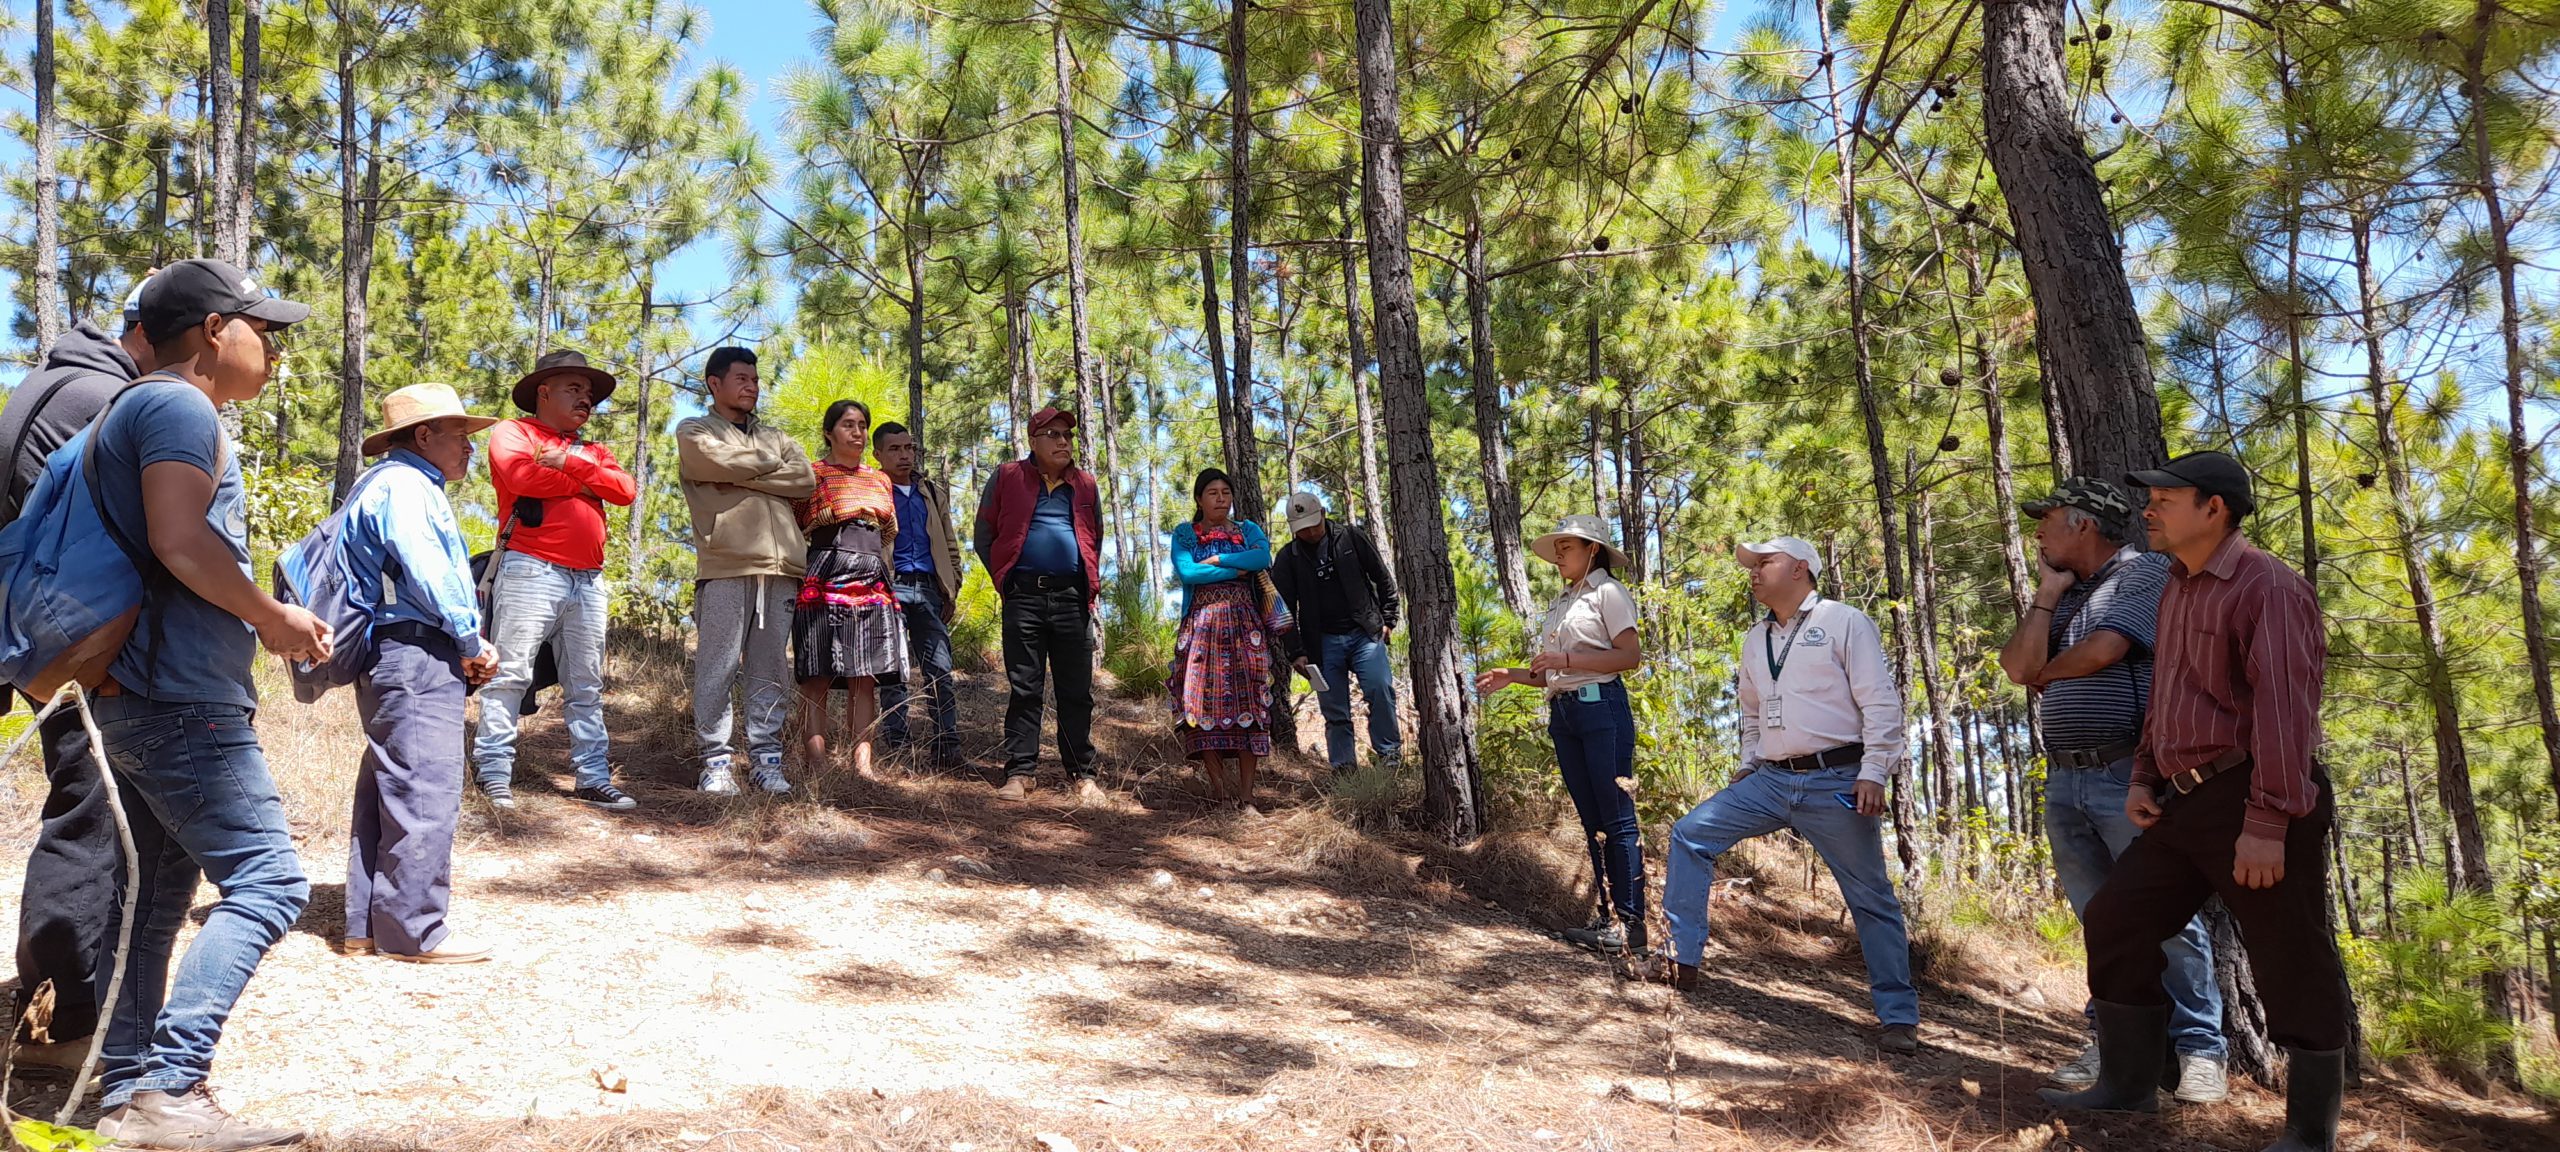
<point x="2084" y="647"/>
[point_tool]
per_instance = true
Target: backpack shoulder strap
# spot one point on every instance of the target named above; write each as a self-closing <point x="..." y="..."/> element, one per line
<point x="18" y="443"/>
<point x="144" y="561"/>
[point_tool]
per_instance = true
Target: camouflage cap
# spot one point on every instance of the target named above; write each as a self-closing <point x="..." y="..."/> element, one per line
<point x="2107" y="502"/>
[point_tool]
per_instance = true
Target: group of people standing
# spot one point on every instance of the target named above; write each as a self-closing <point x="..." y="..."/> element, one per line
<point x="2179" y="693"/>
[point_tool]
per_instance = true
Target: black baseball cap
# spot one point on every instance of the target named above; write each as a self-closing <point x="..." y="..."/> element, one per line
<point x="181" y="295"/>
<point x="2211" y="473"/>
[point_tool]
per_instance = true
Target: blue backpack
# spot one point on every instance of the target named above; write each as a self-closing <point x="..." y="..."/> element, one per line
<point x="67" y="606"/>
<point x="313" y="573"/>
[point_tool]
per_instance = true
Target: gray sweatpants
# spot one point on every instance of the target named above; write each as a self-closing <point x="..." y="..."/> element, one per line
<point x="742" y="620"/>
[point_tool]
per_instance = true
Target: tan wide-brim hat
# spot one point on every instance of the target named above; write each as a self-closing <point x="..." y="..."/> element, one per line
<point x="1582" y="527"/>
<point x="420" y="404"/>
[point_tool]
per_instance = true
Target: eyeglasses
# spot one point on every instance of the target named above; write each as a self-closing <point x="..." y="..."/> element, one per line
<point x="1054" y="434"/>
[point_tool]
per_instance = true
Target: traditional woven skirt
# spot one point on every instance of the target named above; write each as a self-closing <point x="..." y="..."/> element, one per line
<point x="846" y="623"/>
<point x="1221" y="688"/>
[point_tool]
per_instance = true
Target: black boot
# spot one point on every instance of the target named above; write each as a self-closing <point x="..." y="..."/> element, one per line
<point x="2314" y="1083"/>
<point x="1602" y="935"/>
<point x="2131" y="1043"/>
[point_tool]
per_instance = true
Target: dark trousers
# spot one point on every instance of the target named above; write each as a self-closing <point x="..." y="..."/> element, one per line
<point x="67" y="918"/>
<point x="1596" y="747"/>
<point x="929" y="661"/>
<point x="2166" y="875"/>
<point x="1048" y="636"/>
<point x="408" y="793"/>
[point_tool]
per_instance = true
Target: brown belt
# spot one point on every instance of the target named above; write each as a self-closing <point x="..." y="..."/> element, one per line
<point x="2194" y="778"/>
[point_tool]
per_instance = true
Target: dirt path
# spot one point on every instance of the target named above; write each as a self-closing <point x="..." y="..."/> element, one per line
<point x="917" y="966"/>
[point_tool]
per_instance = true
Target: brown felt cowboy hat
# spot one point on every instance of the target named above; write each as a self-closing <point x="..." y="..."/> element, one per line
<point x="421" y="404"/>
<point x="563" y="363"/>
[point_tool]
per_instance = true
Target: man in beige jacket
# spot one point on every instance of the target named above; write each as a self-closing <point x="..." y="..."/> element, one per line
<point x="739" y="478"/>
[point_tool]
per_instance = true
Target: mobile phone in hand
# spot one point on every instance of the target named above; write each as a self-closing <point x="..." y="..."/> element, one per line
<point x="1848" y="800"/>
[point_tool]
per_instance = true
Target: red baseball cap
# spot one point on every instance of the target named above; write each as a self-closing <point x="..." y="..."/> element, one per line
<point x="1048" y="416"/>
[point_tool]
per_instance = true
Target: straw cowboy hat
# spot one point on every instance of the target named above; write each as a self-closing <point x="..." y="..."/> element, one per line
<point x="1582" y="527"/>
<point x="420" y="404"/>
<point x="563" y="363"/>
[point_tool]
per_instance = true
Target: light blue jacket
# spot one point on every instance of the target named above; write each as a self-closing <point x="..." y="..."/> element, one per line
<point x="403" y="521"/>
<point x="1195" y="569"/>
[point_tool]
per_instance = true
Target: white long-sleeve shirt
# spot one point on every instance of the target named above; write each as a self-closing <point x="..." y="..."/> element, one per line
<point x="1835" y="689"/>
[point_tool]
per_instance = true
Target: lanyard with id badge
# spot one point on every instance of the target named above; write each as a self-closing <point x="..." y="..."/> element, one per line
<point x="1773" y="712"/>
<point x="1588" y="693"/>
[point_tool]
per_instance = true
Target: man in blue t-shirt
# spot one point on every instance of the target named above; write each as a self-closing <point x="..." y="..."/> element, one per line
<point x="925" y="573"/>
<point x="175" y="716"/>
<point x="2084" y="647"/>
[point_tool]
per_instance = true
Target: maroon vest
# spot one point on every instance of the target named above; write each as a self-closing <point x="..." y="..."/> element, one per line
<point x="1017" y="488"/>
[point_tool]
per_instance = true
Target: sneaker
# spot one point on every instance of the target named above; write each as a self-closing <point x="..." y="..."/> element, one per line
<point x="2201" y="1079"/>
<point x="717" y="780"/>
<point x="189" y="1121"/>
<point x="610" y="798"/>
<point x="1090" y="791"/>
<point x="501" y="794"/>
<point x="767" y="775"/>
<point x="1015" y="788"/>
<point x="1899" y="1038"/>
<point x="2081" y="1072"/>
<point x="454" y="950"/>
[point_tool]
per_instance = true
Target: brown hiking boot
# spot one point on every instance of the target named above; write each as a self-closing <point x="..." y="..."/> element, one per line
<point x="189" y="1121"/>
<point x="60" y="1055"/>
<point x="1015" y="788"/>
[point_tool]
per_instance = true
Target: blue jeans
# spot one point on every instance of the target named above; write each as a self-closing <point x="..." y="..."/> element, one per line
<point x="1852" y="845"/>
<point x="928" y="659"/>
<point x="197" y="794"/>
<point x="1342" y="655"/>
<point x="2084" y="820"/>
<point x="537" y="601"/>
<point x="1596" y="747"/>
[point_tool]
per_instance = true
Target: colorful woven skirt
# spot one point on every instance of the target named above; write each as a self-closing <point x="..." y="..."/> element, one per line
<point x="846" y="622"/>
<point x="1221" y="688"/>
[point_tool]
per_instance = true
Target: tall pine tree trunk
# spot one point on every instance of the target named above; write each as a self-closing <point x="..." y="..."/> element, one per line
<point x="1493" y="447"/>
<point x="2089" y="338"/>
<point x="244" y="149"/>
<point x="1244" y="452"/>
<point x="913" y="253"/>
<point x="355" y="265"/>
<point x="46" y="256"/>
<point x="1071" y="197"/>
<point x="1452" y="783"/>
<point x="217" y="31"/>
<point x="1373" y="495"/>
<point x="1871" y="410"/>
<point x="635" y="538"/>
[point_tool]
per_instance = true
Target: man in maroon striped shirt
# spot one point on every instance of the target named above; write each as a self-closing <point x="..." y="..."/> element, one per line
<point x="2231" y="805"/>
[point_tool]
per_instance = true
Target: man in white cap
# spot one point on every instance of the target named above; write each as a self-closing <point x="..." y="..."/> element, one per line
<point x="1821" y="733"/>
<point x="1345" y="601"/>
<point x="406" y="556"/>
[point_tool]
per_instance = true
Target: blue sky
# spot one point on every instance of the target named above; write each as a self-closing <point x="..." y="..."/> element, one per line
<point x="763" y="40"/>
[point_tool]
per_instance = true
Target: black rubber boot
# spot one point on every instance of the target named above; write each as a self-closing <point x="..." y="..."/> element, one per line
<point x="2315" y="1084"/>
<point x="2132" y="1041"/>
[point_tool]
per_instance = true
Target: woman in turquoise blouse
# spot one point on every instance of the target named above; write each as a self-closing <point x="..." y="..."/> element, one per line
<point x="1222" y="655"/>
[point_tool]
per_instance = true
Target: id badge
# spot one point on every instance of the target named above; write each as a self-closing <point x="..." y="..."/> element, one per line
<point x="1588" y="693"/>
<point x="1773" y="713"/>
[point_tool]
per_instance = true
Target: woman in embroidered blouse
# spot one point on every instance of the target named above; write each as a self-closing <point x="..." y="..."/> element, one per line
<point x="1221" y="687"/>
<point x="846" y="629"/>
<point x="1586" y="643"/>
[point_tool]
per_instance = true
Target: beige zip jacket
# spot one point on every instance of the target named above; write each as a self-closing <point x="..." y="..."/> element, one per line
<point x="739" y="485"/>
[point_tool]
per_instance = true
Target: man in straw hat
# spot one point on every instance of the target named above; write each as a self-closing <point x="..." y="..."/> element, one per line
<point x="1821" y="732"/>
<point x="406" y="555"/>
<point x="552" y="489"/>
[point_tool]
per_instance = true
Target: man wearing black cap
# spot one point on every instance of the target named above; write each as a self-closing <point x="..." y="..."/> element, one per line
<point x="63" y="922"/>
<point x="1039" y="533"/>
<point x="2231" y="804"/>
<point x="175" y="716"/>
<point x="2084" y="648"/>
<point x="552" y="487"/>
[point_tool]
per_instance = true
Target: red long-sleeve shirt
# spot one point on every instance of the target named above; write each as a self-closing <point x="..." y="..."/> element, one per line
<point x="573" y="495"/>
<point x="2240" y="657"/>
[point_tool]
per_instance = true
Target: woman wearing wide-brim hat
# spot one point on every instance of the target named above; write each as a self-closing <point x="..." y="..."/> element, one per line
<point x="1586" y="643"/>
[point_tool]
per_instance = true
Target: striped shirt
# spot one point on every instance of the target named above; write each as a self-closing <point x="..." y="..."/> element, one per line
<point x="2241" y="657"/>
<point x="2103" y="708"/>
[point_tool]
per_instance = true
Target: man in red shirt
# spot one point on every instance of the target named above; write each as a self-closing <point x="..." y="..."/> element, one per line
<point x="552" y="489"/>
<point x="2231" y="803"/>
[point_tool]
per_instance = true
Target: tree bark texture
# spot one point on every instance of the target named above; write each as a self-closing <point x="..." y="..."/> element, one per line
<point x="52" y="315"/>
<point x="244" y="149"/>
<point x="1453" y="787"/>
<point x="1373" y="494"/>
<point x="355" y="238"/>
<point x="2089" y="338"/>
<point x="1493" y="446"/>
<point x="226" y="180"/>
<point x="1244" y="453"/>
<point x="1079" y="322"/>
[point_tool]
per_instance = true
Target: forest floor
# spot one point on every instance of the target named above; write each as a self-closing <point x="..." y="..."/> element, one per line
<point x="916" y="965"/>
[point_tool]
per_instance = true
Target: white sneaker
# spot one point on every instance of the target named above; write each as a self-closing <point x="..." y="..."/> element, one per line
<point x="717" y="780"/>
<point x="767" y="775"/>
<point x="2201" y="1080"/>
<point x="2081" y="1072"/>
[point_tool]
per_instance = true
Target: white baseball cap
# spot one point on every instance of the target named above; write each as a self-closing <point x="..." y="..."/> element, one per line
<point x="1748" y="555"/>
<point x="1306" y="510"/>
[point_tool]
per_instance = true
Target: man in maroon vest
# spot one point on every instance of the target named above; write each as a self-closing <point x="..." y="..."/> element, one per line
<point x="1039" y="533"/>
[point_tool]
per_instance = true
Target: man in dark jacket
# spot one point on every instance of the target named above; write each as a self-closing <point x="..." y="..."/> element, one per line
<point x="66" y="921"/>
<point x="1345" y="602"/>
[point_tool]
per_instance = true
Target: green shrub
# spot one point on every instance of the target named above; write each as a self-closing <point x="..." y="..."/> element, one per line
<point x="977" y="628"/>
<point x="2421" y="984"/>
<point x="1137" y="644"/>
